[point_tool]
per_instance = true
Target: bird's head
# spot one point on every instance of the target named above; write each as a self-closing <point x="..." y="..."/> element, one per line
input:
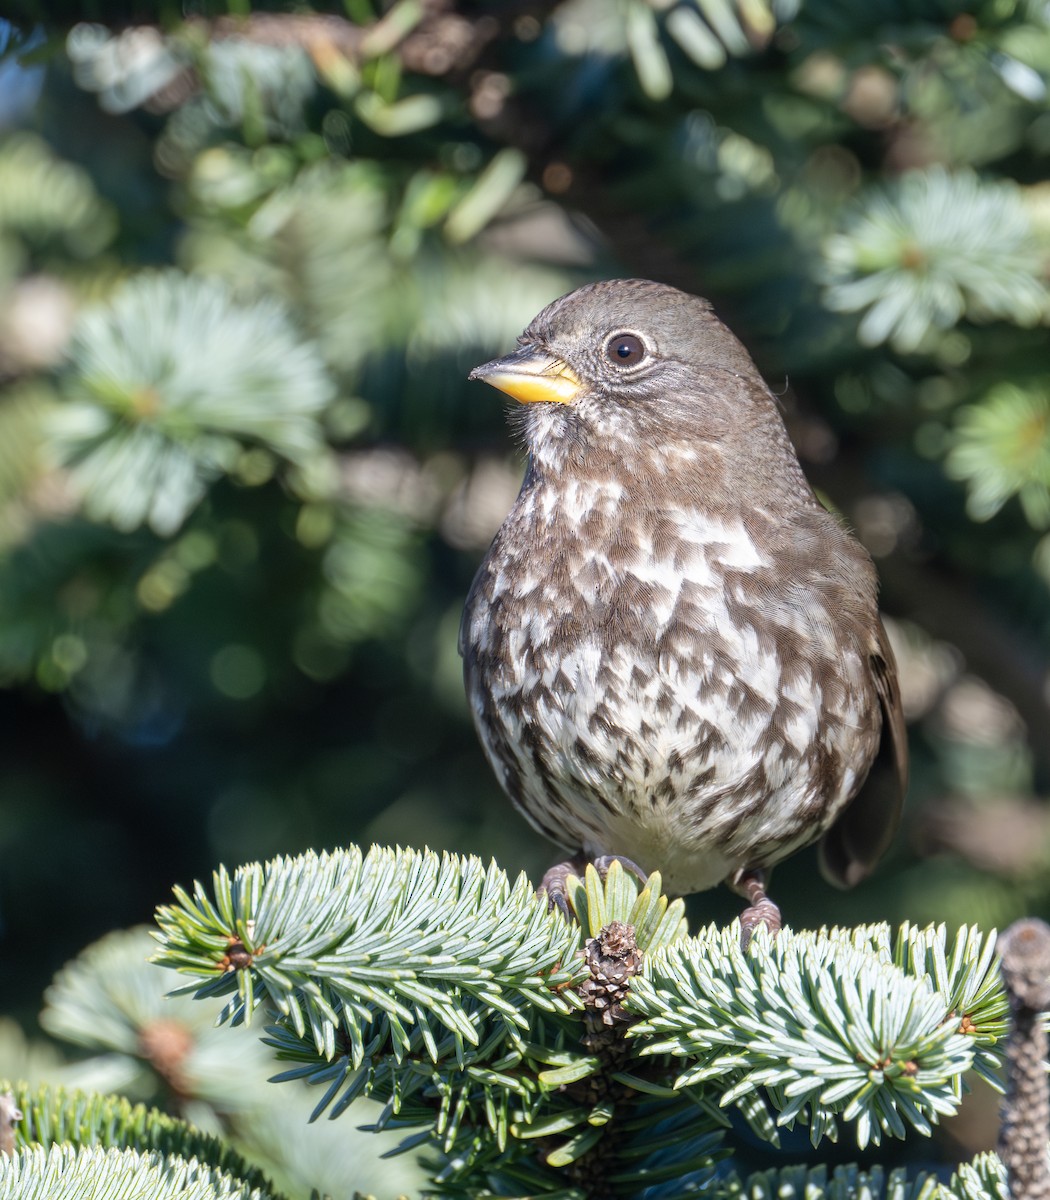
<point x="624" y="344"/>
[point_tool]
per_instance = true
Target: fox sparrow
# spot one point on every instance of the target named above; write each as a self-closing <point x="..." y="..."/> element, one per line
<point x="672" y="651"/>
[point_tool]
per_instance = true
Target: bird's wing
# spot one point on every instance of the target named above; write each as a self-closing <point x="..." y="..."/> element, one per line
<point x="863" y="831"/>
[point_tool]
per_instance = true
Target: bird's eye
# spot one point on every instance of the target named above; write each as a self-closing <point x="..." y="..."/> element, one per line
<point x="624" y="350"/>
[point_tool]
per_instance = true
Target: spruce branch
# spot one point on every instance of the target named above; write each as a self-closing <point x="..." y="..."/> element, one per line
<point x="981" y="1179"/>
<point x="1001" y="449"/>
<point x="370" y="275"/>
<point x="842" y="1183"/>
<point x="469" y="1010"/>
<point x="453" y="998"/>
<point x="598" y="903"/>
<point x="57" y="1117"/>
<point x="226" y="81"/>
<point x="827" y="1026"/>
<point x="932" y="249"/>
<point x="707" y="33"/>
<point x="143" y="66"/>
<point x="126" y="69"/>
<point x="170" y="383"/>
<point x="71" y="1123"/>
<point x="420" y="941"/>
<point x="110" y="1000"/>
<point x="51" y="207"/>
<point x="66" y="1173"/>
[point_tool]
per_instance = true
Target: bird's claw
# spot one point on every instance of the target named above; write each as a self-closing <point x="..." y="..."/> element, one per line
<point x="554" y="881"/>
<point x="605" y="861"/>
<point x="553" y="885"/>
<point x="760" y="910"/>
<point x="765" y="912"/>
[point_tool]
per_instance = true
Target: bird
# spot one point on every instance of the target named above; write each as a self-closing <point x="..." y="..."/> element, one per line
<point x="673" y="652"/>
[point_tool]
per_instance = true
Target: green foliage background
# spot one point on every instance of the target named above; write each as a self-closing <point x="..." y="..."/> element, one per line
<point x="247" y="259"/>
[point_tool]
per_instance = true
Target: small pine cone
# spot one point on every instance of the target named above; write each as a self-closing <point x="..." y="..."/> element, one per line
<point x="613" y="958"/>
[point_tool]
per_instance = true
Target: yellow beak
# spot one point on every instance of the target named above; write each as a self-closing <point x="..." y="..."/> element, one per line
<point x="531" y="377"/>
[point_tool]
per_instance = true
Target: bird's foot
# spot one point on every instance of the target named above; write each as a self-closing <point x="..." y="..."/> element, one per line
<point x="760" y="910"/>
<point x="554" y="880"/>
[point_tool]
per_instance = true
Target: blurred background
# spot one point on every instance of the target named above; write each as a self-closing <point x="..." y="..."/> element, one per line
<point x="247" y="258"/>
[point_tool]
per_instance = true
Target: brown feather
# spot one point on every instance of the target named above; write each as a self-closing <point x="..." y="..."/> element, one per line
<point x="851" y="848"/>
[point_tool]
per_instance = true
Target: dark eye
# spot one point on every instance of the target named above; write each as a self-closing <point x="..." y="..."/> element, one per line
<point x="624" y="350"/>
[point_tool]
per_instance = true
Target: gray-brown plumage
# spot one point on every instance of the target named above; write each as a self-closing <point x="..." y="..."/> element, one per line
<point x="672" y="651"/>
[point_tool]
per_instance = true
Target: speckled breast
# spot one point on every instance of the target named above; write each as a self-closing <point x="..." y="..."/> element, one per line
<point x="682" y="696"/>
